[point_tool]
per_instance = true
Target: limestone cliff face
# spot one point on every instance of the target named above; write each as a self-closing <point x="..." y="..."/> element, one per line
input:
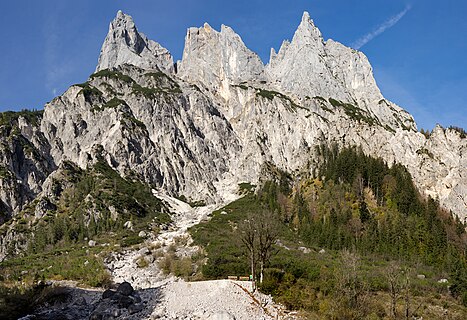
<point x="169" y="133"/>
<point x="310" y="66"/>
<point x="24" y="161"/>
<point x="223" y="115"/>
<point x="215" y="60"/>
<point x="125" y="45"/>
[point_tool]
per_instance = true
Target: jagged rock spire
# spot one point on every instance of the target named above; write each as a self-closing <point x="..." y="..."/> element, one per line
<point x="125" y="45"/>
<point x="216" y="59"/>
<point x="307" y="29"/>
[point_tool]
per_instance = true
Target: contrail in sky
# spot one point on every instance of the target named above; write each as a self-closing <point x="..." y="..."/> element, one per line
<point x="380" y="29"/>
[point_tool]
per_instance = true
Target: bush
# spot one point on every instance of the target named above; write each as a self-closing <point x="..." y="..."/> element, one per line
<point x="180" y="267"/>
<point x="131" y="241"/>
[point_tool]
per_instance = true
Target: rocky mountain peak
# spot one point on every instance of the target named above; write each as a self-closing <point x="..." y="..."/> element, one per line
<point x="308" y="30"/>
<point x="217" y="59"/>
<point x="124" y="44"/>
<point x="222" y="117"/>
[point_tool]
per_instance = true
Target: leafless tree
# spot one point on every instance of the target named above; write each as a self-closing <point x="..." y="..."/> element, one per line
<point x="259" y="233"/>
<point x="248" y="235"/>
<point x="267" y="228"/>
<point x="394" y="278"/>
<point x="351" y="291"/>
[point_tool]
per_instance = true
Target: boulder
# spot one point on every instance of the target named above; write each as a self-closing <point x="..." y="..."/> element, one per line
<point x="135" y="308"/>
<point x="125" y="289"/>
<point x="107" y="294"/>
<point x="125" y="301"/>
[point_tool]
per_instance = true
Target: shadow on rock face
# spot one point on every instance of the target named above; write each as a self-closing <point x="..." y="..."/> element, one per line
<point x="63" y="303"/>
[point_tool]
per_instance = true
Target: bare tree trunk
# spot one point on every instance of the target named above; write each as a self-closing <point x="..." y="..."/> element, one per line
<point x="407" y="297"/>
<point x="253" y="271"/>
<point x="261" y="272"/>
<point x="393" y="276"/>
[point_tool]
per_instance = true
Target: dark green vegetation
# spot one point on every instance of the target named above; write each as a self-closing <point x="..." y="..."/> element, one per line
<point x="270" y="95"/>
<point x="152" y="92"/>
<point x="89" y="92"/>
<point x="322" y="103"/>
<point x="92" y="204"/>
<point x="159" y="82"/>
<point x="16" y="302"/>
<point x="32" y="116"/>
<point x="192" y="203"/>
<point x="377" y="232"/>
<point x="112" y="74"/>
<point x="9" y="125"/>
<point x="459" y="130"/>
<point x="354" y="112"/>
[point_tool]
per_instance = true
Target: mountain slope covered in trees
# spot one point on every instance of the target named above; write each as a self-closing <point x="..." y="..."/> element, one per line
<point x="352" y="239"/>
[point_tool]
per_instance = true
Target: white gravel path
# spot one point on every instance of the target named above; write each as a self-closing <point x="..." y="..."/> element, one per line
<point x="217" y="299"/>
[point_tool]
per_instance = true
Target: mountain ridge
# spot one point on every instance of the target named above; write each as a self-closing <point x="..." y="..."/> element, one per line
<point x="220" y="115"/>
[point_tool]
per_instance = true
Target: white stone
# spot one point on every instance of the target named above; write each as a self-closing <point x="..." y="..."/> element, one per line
<point x="128" y="225"/>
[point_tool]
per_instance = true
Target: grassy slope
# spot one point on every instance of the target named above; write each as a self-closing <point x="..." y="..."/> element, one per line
<point x="58" y="243"/>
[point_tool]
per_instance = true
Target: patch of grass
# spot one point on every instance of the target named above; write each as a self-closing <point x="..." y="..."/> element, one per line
<point x="131" y="241"/>
<point x="354" y="112"/>
<point x="319" y="99"/>
<point x="142" y="263"/>
<point x="136" y="122"/>
<point x="165" y="79"/>
<point x="322" y="103"/>
<point x="73" y="263"/>
<point x="192" y="203"/>
<point x="112" y="74"/>
<point x="178" y="266"/>
<point x="149" y="93"/>
<point x="112" y="103"/>
<point x="270" y="95"/>
<point x="241" y="86"/>
<point x="246" y="187"/>
<point x="197" y="203"/>
<point x="89" y="92"/>
<point x="152" y="93"/>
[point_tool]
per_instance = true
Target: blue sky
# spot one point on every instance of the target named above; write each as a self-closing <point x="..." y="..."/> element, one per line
<point x="418" y="48"/>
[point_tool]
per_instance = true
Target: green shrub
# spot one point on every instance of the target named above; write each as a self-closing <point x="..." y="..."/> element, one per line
<point x="131" y="241"/>
<point x="106" y="73"/>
